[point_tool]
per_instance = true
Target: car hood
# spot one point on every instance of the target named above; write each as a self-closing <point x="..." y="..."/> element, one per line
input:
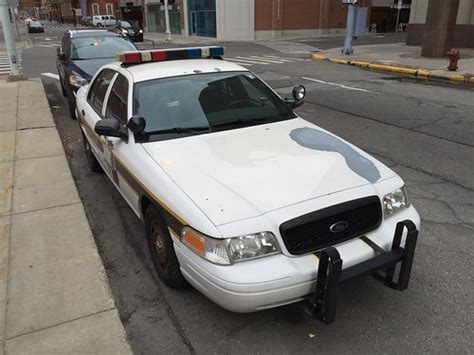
<point x="243" y="173"/>
<point x="87" y="68"/>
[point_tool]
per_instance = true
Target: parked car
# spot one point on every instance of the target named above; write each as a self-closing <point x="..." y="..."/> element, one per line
<point x="131" y="29"/>
<point x="103" y="20"/>
<point x="86" y="21"/>
<point x="249" y="203"/>
<point x="35" y="26"/>
<point x="81" y="54"/>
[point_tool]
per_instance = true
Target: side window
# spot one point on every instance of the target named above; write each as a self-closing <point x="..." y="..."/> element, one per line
<point x="117" y="101"/>
<point x="99" y="88"/>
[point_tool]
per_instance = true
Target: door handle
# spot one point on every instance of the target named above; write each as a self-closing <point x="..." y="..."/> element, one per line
<point x="83" y="113"/>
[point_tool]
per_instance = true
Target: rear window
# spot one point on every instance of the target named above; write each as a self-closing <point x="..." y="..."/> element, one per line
<point x="99" y="47"/>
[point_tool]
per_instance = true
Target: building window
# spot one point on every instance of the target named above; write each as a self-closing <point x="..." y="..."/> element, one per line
<point x="109" y="9"/>
<point x="95" y="9"/>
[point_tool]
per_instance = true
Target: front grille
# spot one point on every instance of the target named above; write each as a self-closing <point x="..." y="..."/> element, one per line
<point x="311" y="232"/>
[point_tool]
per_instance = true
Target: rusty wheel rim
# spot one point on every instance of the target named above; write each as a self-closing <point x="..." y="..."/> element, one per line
<point x="160" y="247"/>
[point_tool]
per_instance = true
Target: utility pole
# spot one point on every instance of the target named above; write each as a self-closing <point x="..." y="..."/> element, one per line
<point x="15" y="73"/>
<point x="167" y="22"/>
<point x="351" y="13"/>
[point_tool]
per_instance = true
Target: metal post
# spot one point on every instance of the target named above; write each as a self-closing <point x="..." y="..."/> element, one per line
<point x="9" y="39"/>
<point x="351" y="13"/>
<point x="399" y="7"/>
<point x="167" y="21"/>
<point x="398" y="20"/>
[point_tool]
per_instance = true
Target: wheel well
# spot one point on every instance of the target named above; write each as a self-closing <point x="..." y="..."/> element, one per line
<point x="144" y="204"/>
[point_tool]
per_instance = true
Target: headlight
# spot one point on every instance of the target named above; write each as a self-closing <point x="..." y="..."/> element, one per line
<point x="77" y="80"/>
<point x="395" y="201"/>
<point x="229" y="251"/>
<point x="124" y="30"/>
<point x="252" y="246"/>
<point x="140" y="31"/>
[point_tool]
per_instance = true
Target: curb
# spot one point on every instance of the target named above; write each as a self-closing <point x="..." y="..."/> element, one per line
<point x="416" y="73"/>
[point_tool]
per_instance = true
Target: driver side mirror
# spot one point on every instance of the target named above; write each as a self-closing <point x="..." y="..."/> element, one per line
<point x="61" y="55"/>
<point x="298" y="93"/>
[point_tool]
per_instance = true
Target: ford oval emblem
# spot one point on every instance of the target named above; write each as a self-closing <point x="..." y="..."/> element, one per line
<point x="339" y="227"/>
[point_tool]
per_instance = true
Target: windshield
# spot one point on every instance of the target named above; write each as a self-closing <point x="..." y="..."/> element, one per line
<point x="99" y="47"/>
<point x="125" y="24"/>
<point x="206" y="102"/>
<point x="35" y="23"/>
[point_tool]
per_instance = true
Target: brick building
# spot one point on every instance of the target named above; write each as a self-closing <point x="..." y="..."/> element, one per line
<point x="249" y="19"/>
<point x="103" y="7"/>
<point x="463" y="35"/>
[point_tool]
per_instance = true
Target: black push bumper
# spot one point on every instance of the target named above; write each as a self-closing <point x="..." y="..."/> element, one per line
<point x="330" y="273"/>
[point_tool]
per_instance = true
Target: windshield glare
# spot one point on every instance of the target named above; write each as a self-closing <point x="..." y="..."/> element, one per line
<point x="99" y="47"/>
<point x="125" y="24"/>
<point x="207" y="100"/>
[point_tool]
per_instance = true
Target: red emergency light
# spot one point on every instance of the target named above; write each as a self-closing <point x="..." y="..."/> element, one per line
<point x="160" y="55"/>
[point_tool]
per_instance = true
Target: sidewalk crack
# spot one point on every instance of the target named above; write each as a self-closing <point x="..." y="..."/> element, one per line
<point x="61" y="323"/>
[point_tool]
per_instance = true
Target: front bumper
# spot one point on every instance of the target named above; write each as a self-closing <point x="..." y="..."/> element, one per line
<point x="278" y="280"/>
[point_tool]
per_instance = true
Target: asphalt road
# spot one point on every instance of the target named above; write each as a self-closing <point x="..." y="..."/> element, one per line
<point x="423" y="132"/>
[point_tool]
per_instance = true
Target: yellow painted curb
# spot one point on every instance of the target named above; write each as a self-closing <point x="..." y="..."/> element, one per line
<point x="359" y="63"/>
<point x="318" y="57"/>
<point x="338" y="61"/>
<point x="457" y="78"/>
<point x="421" y="73"/>
<point x="471" y="79"/>
<point x="393" y="69"/>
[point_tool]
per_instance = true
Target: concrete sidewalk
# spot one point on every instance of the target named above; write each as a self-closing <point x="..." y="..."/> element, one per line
<point x="403" y="59"/>
<point x="54" y="295"/>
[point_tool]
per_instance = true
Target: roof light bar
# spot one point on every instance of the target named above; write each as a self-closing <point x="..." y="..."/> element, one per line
<point x="159" y="55"/>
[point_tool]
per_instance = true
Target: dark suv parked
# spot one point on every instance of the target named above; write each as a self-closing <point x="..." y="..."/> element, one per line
<point x="81" y="54"/>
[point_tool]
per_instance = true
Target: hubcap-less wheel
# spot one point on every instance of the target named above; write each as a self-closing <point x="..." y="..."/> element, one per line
<point x="160" y="248"/>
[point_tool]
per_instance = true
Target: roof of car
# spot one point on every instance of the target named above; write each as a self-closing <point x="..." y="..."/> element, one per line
<point x="80" y="33"/>
<point x="166" y="69"/>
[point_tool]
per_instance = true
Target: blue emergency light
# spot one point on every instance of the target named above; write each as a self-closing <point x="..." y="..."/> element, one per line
<point x="160" y="55"/>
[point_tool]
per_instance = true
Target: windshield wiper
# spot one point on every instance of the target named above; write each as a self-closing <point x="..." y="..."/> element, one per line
<point x="243" y="121"/>
<point x="191" y="130"/>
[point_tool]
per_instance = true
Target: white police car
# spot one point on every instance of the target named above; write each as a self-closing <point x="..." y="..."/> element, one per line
<point x="252" y="205"/>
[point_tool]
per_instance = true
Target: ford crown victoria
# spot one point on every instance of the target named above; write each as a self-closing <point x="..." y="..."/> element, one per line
<point x="241" y="198"/>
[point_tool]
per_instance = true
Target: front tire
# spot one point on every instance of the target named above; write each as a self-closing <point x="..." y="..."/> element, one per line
<point x="91" y="159"/>
<point x="162" y="250"/>
<point x="72" y="109"/>
<point x="63" y="89"/>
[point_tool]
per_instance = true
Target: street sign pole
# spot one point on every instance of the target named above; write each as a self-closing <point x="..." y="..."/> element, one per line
<point x="9" y="40"/>
<point x="399" y="7"/>
<point x="351" y="13"/>
<point x="167" y="21"/>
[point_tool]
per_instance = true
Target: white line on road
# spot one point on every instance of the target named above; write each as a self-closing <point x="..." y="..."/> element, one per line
<point x="336" y="84"/>
<point x="284" y="58"/>
<point x="51" y="75"/>
<point x="46" y="45"/>
<point x="252" y="60"/>
<point x="236" y="61"/>
<point x="239" y="61"/>
<point x="269" y="60"/>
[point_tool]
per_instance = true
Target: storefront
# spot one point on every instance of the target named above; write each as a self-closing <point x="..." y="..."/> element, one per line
<point x="202" y="18"/>
<point x="156" y="18"/>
